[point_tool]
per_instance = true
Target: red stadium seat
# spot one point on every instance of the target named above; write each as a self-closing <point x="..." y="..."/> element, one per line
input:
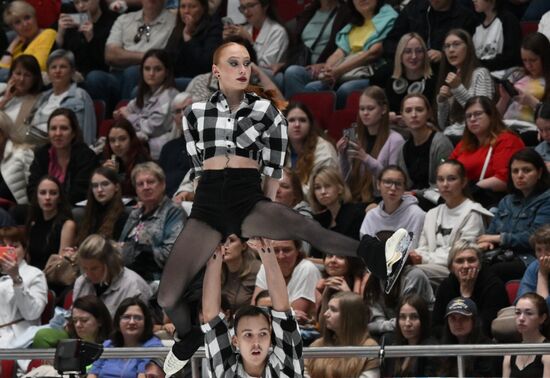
<point x="105" y="124"/>
<point x="99" y="108"/>
<point x="8" y="369"/>
<point x="528" y="27"/>
<point x="288" y="9"/>
<point x="340" y="120"/>
<point x="48" y="312"/>
<point x="321" y="105"/>
<point x="512" y="288"/>
<point x="352" y="101"/>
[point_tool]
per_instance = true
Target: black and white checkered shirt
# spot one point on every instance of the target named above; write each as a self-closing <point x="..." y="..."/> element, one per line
<point x="257" y="130"/>
<point x="285" y="361"/>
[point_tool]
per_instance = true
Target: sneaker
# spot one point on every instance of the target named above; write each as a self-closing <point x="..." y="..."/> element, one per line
<point x="397" y="251"/>
<point x="172" y="364"/>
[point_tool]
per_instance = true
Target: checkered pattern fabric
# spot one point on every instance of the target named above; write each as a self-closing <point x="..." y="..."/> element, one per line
<point x="284" y="361"/>
<point x="257" y="130"/>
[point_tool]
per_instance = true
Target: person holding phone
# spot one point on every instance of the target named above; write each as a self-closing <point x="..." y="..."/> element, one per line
<point x="460" y="78"/>
<point x="85" y="33"/>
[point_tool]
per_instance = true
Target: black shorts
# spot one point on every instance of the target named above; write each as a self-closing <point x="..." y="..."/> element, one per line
<point x="225" y="197"/>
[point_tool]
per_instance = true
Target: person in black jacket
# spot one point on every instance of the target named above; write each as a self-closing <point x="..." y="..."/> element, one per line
<point x="193" y="41"/>
<point x="65" y="157"/>
<point x="469" y="279"/>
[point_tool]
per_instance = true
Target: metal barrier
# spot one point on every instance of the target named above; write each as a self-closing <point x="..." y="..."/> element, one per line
<point x="458" y="351"/>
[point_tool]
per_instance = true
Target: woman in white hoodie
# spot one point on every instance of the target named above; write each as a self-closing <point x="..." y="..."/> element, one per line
<point x="458" y="218"/>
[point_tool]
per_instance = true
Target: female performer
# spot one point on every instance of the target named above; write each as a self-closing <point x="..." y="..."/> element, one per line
<point x="231" y="138"/>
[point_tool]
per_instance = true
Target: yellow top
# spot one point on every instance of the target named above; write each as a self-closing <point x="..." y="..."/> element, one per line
<point x="39" y="47"/>
<point x="358" y="35"/>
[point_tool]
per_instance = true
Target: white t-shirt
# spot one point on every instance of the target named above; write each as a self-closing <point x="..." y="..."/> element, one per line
<point x="489" y="41"/>
<point x="544" y="25"/>
<point x="301" y="284"/>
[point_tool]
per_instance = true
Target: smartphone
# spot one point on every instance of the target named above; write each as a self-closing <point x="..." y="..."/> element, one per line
<point x="351" y="133"/>
<point x="79" y="18"/>
<point x="227" y="21"/>
<point x="4" y="250"/>
<point x="509" y="88"/>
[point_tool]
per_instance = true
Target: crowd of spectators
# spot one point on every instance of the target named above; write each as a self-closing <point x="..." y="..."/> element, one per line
<point x="451" y="141"/>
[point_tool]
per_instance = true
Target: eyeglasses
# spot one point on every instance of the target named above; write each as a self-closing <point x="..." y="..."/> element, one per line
<point x="474" y="115"/>
<point x="143" y="29"/>
<point x="129" y="317"/>
<point x="389" y="183"/>
<point x="453" y="45"/>
<point x="101" y="184"/>
<point x="244" y="7"/>
<point x="409" y="51"/>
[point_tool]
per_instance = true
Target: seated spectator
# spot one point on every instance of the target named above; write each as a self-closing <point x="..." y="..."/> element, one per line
<point x="413" y="328"/>
<point x="495" y="39"/>
<point x="23" y="289"/>
<point x="15" y="161"/>
<point x="264" y="31"/>
<point x="396" y="210"/>
<point x="519" y="214"/>
<point x="193" y="40"/>
<point x="330" y="199"/>
<point x="290" y="193"/>
<point x="90" y="321"/>
<point x="371" y="147"/>
<point x="104" y="212"/>
<point x="432" y="20"/>
<point x="150" y="112"/>
<point x="470" y="279"/>
<point x="457" y="218"/>
<point x="300" y="276"/>
<point x="131" y="35"/>
<point x="30" y="39"/>
<point x="151" y="229"/>
<point x="542" y="120"/>
<point x="173" y="159"/>
<point x="460" y="79"/>
<point x="412" y="74"/>
<point x="316" y="29"/>
<point x="104" y="274"/>
<point x="86" y="39"/>
<point x="485" y="150"/>
<point x="123" y="151"/>
<point x="49" y="223"/>
<point x="519" y="111"/>
<point x="536" y="278"/>
<point x="65" y="157"/>
<point x="258" y="360"/>
<point x="64" y="94"/>
<point x="341" y="274"/>
<point x="133" y="327"/>
<point x="532" y="322"/>
<point x="309" y="148"/>
<point x="427" y="147"/>
<point x="239" y="271"/>
<point x="22" y="92"/>
<point x="345" y="323"/>
<point x="359" y="44"/>
<point x="463" y="326"/>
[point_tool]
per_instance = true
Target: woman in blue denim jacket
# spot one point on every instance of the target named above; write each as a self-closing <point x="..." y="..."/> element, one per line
<point x="519" y="214"/>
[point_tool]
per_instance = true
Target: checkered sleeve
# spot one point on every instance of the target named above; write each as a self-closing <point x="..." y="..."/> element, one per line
<point x="191" y="135"/>
<point x="219" y="351"/>
<point x="275" y="141"/>
<point x="287" y="344"/>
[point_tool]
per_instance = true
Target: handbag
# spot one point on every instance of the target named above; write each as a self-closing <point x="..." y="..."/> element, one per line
<point x="358" y="73"/>
<point x="498" y="255"/>
<point x="61" y="270"/>
<point x="301" y="55"/>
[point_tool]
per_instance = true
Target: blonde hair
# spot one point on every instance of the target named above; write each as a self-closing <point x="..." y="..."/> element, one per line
<point x="97" y="247"/>
<point x="330" y="175"/>
<point x="17" y="9"/>
<point x="398" y="62"/>
<point x="460" y="246"/>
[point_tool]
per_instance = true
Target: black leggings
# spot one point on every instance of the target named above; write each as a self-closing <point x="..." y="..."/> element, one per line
<point x="198" y="239"/>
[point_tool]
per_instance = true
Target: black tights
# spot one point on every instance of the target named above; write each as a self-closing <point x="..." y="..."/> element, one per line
<point x="197" y="241"/>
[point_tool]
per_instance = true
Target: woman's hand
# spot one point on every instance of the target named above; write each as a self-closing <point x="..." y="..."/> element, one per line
<point x="337" y="283"/>
<point x="434" y="55"/>
<point x="355" y="151"/>
<point x="301" y="317"/>
<point x="342" y="145"/>
<point x="453" y="80"/>
<point x="170" y="328"/>
<point x="120" y="113"/>
<point x="110" y="164"/>
<point x="526" y="99"/>
<point x="329" y="75"/>
<point x="87" y="29"/>
<point x="444" y="93"/>
<point x="415" y="258"/>
<point x="69" y="252"/>
<point x="544" y="265"/>
<point x="236" y="30"/>
<point x="486" y="242"/>
<point x="467" y="278"/>
<point x="65" y="22"/>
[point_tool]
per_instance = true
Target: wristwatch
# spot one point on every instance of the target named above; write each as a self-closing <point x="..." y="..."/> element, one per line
<point x="17" y="280"/>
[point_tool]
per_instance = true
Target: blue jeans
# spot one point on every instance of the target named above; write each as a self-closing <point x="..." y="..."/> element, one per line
<point x="114" y="86"/>
<point x="342" y="92"/>
<point x="182" y="83"/>
<point x="295" y="80"/>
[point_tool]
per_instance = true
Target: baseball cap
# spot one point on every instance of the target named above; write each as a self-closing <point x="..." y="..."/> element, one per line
<point x="463" y="306"/>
